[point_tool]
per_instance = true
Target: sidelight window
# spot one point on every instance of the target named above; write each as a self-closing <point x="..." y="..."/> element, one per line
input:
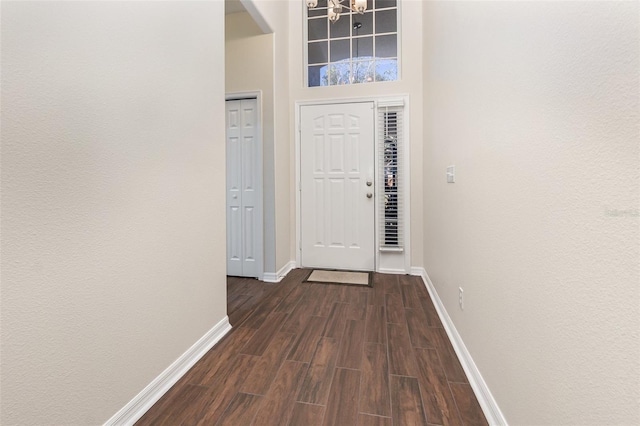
<point x="391" y="187"/>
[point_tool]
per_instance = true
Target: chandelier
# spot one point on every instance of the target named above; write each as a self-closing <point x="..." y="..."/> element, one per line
<point x="334" y="7"/>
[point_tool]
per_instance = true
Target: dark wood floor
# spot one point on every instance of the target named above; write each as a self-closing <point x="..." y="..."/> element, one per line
<point x="320" y="354"/>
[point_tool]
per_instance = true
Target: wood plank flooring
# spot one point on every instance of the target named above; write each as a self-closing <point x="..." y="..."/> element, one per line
<point x="322" y="354"/>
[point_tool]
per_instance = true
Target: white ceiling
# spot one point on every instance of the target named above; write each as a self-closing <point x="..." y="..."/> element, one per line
<point x="233" y="6"/>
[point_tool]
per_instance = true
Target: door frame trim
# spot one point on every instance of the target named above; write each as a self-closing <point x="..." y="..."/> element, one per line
<point x="257" y="95"/>
<point x="378" y="267"/>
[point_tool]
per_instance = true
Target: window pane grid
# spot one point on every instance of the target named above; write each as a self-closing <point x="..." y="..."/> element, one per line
<point x="371" y="54"/>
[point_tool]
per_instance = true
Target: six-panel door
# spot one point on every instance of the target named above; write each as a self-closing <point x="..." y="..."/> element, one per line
<point x="244" y="189"/>
<point x="337" y="186"/>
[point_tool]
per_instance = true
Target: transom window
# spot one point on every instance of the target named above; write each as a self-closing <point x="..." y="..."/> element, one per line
<point x="358" y="48"/>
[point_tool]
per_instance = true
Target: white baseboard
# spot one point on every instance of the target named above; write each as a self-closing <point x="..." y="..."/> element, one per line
<point x="391" y="271"/>
<point x="420" y="272"/>
<point x="270" y="277"/>
<point x="488" y="404"/>
<point x="139" y="405"/>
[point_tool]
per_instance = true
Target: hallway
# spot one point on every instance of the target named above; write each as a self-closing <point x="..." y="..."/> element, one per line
<point x="311" y="354"/>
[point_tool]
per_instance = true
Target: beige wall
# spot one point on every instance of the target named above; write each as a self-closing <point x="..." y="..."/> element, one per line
<point x="112" y="114"/>
<point x="410" y="84"/>
<point x="249" y="67"/>
<point x="536" y="103"/>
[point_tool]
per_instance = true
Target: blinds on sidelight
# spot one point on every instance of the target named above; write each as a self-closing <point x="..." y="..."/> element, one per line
<point x="391" y="181"/>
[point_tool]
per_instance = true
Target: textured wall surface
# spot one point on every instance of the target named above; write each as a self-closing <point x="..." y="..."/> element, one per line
<point x="536" y="104"/>
<point x="112" y="200"/>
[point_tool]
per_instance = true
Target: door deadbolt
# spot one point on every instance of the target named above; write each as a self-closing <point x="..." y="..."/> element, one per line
<point x="369" y="183"/>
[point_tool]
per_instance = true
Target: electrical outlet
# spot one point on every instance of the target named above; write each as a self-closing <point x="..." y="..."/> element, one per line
<point x="461" y="297"/>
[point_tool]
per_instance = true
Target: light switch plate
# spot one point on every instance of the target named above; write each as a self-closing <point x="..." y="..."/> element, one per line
<point x="451" y="174"/>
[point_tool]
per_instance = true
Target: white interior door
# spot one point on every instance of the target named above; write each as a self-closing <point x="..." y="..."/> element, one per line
<point x="244" y="189"/>
<point x="337" y="202"/>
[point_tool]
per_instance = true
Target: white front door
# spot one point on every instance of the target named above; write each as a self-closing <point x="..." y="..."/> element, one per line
<point x="244" y="189"/>
<point x="337" y="186"/>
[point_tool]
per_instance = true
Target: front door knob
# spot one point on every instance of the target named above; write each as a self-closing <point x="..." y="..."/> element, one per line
<point x="369" y="195"/>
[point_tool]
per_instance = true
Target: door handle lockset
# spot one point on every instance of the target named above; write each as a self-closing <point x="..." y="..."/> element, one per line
<point x="369" y="195"/>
